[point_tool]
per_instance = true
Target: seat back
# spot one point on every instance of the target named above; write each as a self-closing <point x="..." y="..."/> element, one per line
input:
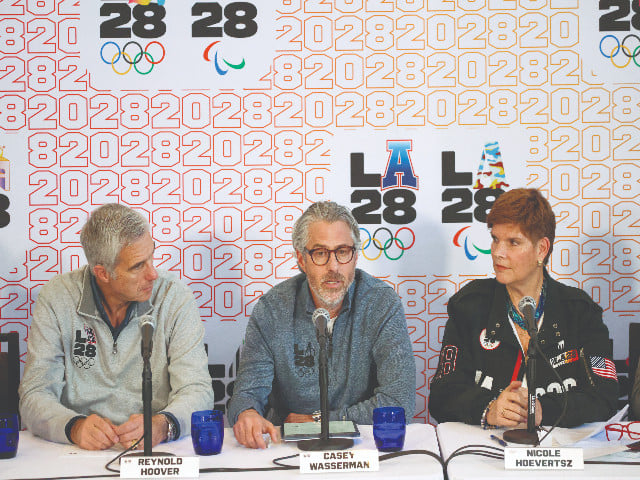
<point x="634" y="353"/>
<point x="9" y="372"/>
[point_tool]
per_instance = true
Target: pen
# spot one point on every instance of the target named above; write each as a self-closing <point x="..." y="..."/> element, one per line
<point x="499" y="440"/>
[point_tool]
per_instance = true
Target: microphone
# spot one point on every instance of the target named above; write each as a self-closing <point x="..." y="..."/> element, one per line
<point x="146" y="346"/>
<point x="147" y="327"/>
<point x="527" y="306"/>
<point x="320" y="318"/>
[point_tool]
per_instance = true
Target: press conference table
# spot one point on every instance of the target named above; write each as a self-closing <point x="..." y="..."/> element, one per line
<point x="38" y="458"/>
<point x="452" y="436"/>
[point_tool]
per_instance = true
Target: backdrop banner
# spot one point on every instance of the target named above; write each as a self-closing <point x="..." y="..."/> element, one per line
<point x="221" y="121"/>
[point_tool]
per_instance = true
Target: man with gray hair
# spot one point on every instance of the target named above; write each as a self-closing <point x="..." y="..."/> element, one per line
<point x="82" y="379"/>
<point x="370" y="357"/>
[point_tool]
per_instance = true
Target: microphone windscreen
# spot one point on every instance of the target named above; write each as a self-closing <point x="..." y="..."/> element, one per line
<point x="147" y="321"/>
<point x="320" y="314"/>
<point x="526" y="302"/>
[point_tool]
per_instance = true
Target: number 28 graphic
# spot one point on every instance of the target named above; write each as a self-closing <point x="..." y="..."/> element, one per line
<point x="235" y="19"/>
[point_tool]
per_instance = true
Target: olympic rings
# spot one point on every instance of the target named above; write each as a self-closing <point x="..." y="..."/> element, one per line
<point x="617" y="42"/>
<point x="114" y="67"/>
<point x="628" y="58"/>
<point x="621" y="47"/>
<point x="383" y="248"/>
<point x="625" y="39"/>
<point x="137" y="58"/>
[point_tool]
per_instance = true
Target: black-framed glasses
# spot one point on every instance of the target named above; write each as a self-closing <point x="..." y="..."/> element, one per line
<point x="320" y="256"/>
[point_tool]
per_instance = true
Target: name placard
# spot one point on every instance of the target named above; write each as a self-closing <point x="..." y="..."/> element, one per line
<point x="160" y="467"/>
<point x="542" y="458"/>
<point x="343" y="461"/>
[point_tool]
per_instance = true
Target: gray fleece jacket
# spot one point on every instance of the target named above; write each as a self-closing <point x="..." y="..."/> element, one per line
<point x="76" y="367"/>
<point x="371" y="362"/>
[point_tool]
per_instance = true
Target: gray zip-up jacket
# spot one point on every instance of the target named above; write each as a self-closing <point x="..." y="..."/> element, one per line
<point x="371" y="362"/>
<point x="76" y="367"/>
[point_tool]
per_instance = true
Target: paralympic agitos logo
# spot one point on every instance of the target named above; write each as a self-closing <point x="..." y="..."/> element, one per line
<point x="471" y="200"/>
<point x="390" y="197"/>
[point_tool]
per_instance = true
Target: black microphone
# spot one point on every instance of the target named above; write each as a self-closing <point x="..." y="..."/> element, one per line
<point x="320" y="318"/>
<point x="527" y="306"/>
<point x="147" y="327"/>
<point x="146" y="346"/>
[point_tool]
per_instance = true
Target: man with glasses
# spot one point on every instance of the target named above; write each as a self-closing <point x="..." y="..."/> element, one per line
<point x="370" y="357"/>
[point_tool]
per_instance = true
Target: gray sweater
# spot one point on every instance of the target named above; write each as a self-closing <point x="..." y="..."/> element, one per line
<point x="75" y="367"/>
<point x="371" y="362"/>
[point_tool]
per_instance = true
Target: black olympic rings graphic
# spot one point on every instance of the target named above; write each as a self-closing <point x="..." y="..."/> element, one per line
<point x="388" y="243"/>
<point x="83" y="362"/>
<point x="621" y="47"/>
<point x="136" y="59"/>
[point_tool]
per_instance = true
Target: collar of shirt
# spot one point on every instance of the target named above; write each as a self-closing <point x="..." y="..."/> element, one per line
<point x="98" y="298"/>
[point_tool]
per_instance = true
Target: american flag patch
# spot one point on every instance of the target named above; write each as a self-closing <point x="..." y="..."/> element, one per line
<point x="604" y="367"/>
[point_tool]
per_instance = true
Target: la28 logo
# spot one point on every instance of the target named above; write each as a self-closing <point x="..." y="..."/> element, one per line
<point x="616" y="20"/>
<point x="398" y="184"/>
<point x="235" y="19"/>
<point x="463" y="195"/>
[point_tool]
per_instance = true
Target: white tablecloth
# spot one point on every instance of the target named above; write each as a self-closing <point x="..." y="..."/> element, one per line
<point x="452" y="436"/>
<point x="38" y="458"/>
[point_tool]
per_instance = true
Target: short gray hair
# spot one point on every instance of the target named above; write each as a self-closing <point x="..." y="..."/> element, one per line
<point x="108" y="230"/>
<point x="329" y="212"/>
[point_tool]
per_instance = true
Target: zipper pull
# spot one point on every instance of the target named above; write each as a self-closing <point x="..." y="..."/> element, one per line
<point x="114" y="350"/>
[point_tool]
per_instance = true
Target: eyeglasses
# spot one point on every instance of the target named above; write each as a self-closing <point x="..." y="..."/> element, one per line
<point x="320" y="256"/>
<point x="615" y="431"/>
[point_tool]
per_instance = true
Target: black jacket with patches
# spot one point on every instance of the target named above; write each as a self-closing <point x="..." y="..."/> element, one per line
<point x="472" y="372"/>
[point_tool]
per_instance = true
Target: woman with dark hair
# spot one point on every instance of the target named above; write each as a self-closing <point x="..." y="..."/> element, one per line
<point x="481" y="372"/>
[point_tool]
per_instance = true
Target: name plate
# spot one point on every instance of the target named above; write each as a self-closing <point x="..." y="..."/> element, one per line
<point x="159" y="467"/>
<point x="342" y="461"/>
<point x="541" y="458"/>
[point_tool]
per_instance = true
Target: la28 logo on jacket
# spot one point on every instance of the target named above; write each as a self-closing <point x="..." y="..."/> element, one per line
<point x="84" y="348"/>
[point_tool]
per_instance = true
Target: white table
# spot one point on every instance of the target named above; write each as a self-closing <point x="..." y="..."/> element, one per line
<point x="452" y="436"/>
<point x="38" y="458"/>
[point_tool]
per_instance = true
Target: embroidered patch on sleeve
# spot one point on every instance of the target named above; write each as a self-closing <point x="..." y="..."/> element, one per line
<point x="564" y="358"/>
<point x="447" y="361"/>
<point x="603" y="367"/>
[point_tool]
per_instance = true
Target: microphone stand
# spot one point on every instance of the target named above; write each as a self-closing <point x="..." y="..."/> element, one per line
<point x="324" y="442"/>
<point x="146" y="402"/>
<point x="530" y="435"/>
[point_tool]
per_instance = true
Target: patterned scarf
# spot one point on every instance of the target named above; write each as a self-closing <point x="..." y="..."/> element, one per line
<point x="515" y="316"/>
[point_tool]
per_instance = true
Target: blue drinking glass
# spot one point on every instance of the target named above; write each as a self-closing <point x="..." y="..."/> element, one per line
<point x="9" y="434"/>
<point x="389" y="428"/>
<point x="207" y="431"/>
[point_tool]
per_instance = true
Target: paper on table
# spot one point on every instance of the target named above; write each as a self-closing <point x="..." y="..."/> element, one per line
<point x="563" y="437"/>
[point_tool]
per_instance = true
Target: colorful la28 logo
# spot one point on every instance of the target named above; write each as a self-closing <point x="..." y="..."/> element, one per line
<point x="395" y="189"/>
<point x="469" y="200"/>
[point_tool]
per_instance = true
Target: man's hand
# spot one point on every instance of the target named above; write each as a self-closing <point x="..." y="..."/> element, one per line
<point x="133" y="429"/>
<point x="250" y="427"/>
<point x="94" y="433"/>
<point x="298" y="418"/>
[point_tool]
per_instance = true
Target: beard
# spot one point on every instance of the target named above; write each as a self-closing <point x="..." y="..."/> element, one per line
<point x="331" y="298"/>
